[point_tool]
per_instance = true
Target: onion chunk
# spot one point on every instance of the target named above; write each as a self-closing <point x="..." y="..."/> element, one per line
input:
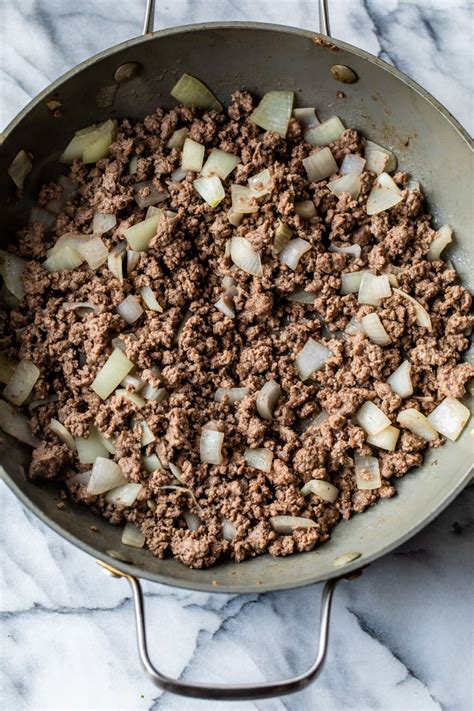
<point x="16" y="425"/>
<point x="132" y="536"/>
<point x="259" y="458"/>
<point x="20" y="167"/>
<point x="193" y="155"/>
<point x="210" y="189"/>
<point x="245" y="257"/>
<point x="373" y="327"/>
<point x="371" y="418"/>
<point x="367" y="472"/>
<point x="116" y="367"/>
<point x="320" y="165"/>
<point x="294" y="250"/>
<point x="384" y="195"/>
<point x="219" y="163"/>
<point x="234" y="394"/>
<point x="190" y="91"/>
<point x="106" y="475"/>
<point x="449" y="418"/>
<point x="326" y="133"/>
<point x="422" y="316"/>
<point x="211" y="446"/>
<point x="139" y="235"/>
<point x="324" y="489"/>
<point x="267" y="399"/>
<point x="385" y="439"/>
<point x="311" y="357"/>
<point x="417" y="423"/>
<point x="285" y="525"/>
<point x="441" y="240"/>
<point x="22" y="382"/>
<point x="400" y="380"/>
<point x="274" y="112"/>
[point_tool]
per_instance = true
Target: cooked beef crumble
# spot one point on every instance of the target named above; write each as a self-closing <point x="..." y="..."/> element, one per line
<point x="191" y="349"/>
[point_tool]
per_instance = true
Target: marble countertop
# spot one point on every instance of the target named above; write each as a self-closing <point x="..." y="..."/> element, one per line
<point x="401" y="635"/>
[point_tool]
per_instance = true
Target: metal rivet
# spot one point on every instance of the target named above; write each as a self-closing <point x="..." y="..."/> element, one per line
<point x="346" y="558"/>
<point x="344" y="74"/>
<point x="127" y="71"/>
<point x="119" y="556"/>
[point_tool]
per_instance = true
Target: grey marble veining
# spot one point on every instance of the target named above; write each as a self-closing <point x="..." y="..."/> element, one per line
<point x="401" y="635"/>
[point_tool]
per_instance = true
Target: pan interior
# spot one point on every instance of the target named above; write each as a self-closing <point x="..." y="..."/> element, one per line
<point x="389" y="110"/>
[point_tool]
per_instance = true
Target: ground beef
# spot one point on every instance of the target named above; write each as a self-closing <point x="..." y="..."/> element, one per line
<point x="185" y="351"/>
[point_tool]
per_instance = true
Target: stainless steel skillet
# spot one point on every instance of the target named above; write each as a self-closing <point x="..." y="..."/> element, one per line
<point x="385" y="105"/>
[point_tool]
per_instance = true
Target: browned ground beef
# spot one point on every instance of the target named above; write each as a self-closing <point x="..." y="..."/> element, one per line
<point x="185" y="267"/>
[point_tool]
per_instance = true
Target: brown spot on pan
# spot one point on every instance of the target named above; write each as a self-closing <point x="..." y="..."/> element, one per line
<point x="327" y="44"/>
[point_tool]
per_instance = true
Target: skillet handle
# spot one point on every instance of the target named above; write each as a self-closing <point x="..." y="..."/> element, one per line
<point x="228" y="692"/>
<point x="323" y="17"/>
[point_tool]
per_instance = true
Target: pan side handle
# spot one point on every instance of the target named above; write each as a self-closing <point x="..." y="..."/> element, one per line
<point x="228" y="692"/>
<point x="324" y="27"/>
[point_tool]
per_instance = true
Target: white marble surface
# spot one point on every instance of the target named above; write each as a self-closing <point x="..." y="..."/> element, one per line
<point x="401" y="634"/>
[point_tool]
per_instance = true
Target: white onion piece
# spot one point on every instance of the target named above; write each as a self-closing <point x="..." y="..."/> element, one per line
<point x="320" y="165"/>
<point x="267" y="399"/>
<point x="352" y="164"/>
<point x="68" y="189"/>
<point x="138" y="236"/>
<point x="132" y="397"/>
<point x="22" y="382"/>
<point x="11" y="269"/>
<point x="306" y="117"/>
<point x="384" y="195"/>
<point x="274" y="112"/>
<point x="100" y="141"/>
<point x="244" y="256"/>
<point x="42" y="217"/>
<point x="102" y="223"/>
<point x="417" y="423"/>
<point x="151" y="463"/>
<point x="81" y="478"/>
<point x="189" y="91"/>
<point x="294" y="250"/>
<point x="193" y="155"/>
<point x="324" y="489"/>
<point x="243" y="200"/>
<point x="259" y="458"/>
<point x="153" y="197"/>
<point x="349" y="183"/>
<point x="379" y="159"/>
<point x="82" y="305"/>
<point x="211" y="445"/>
<point x="90" y="447"/>
<point x="229" y="532"/>
<point x="132" y="536"/>
<point x="285" y="525"/>
<point x="94" y="252"/>
<point x="400" y="380"/>
<point x="305" y="209"/>
<point x="350" y="281"/>
<point x="422" y="316"/>
<point x="132" y="260"/>
<point x="16" y="425"/>
<point x="210" y="189"/>
<point x="385" y="439"/>
<point x="62" y="433"/>
<point x="116" y="367"/>
<point x="226" y="306"/>
<point x="371" y="418"/>
<point x="176" y="471"/>
<point x="178" y="138"/>
<point x="193" y="521"/>
<point x="108" y="444"/>
<point x="76" y="145"/>
<point x="352" y="249"/>
<point x="235" y="219"/>
<point x="441" y="240"/>
<point x="130" y="309"/>
<point x="261" y="183"/>
<point x="7" y="368"/>
<point x="302" y="297"/>
<point x="374" y="329"/>
<point x="373" y="289"/>
<point x="106" y="475"/>
<point x="234" y="394"/>
<point x="154" y="394"/>
<point x="367" y="472"/>
<point x="392" y="279"/>
<point x="178" y="175"/>
<point x="147" y="435"/>
<point x="19" y="168"/>
<point x="115" y="261"/>
<point x="449" y="418"/>
<point x="133" y="382"/>
<point x="124" y="495"/>
<point x="133" y="165"/>
<point x="326" y="133"/>
<point x="65" y="257"/>
<point x="229" y="285"/>
<point x="311" y="357"/>
<point x="354" y="327"/>
<point x="283" y="234"/>
<point x="150" y="300"/>
<point x="219" y="163"/>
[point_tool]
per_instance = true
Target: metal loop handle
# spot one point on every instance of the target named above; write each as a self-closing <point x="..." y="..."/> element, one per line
<point x="228" y="692"/>
<point x="323" y="17"/>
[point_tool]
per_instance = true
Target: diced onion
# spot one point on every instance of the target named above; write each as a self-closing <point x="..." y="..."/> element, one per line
<point x="229" y="285"/>
<point x="189" y="91"/>
<point x="385" y="439"/>
<point x="133" y="165"/>
<point x="320" y="165"/>
<point x="115" y="261"/>
<point x="449" y="418"/>
<point x="349" y="183"/>
<point x="243" y="200"/>
<point x="244" y="256"/>
<point x="305" y="209"/>
<point x="353" y="249"/>
<point x="422" y="316"/>
<point x="151" y="463"/>
<point x="178" y="175"/>
<point x="132" y="536"/>
<point x="147" y="435"/>
<point x="261" y="183"/>
<point x="210" y="189"/>
<point x="306" y="117"/>
<point x="116" y="367"/>
<point x="193" y="156"/>
<point x="132" y="397"/>
<point x="326" y="133"/>
<point x="235" y="218"/>
<point x="11" y="269"/>
<point x="229" y="532"/>
<point x="106" y="475"/>
<point x="324" y="489"/>
<point x="259" y="458"/>
<point x="283" y="234"/>
<point x="311" y="357"/>
<point x="371" y="418"/>
<point x="352" y="164"/>
<point x="138" y="236"/>
<point x="16" y="425"/>
<point x="153" y="196"/>
<point x="178" y="138"/>
<point x="22" y="382"/>
<point x="294" y="250"/>
<point x="150" y="300"/>
<point x="267" y="399"/>
<point x="354" y="327"/>
<point x="350" y="282"/>
<point x="225" y="305"/>
<point x="98" y="142"/>
<point x="82" y="478"/>
<point x="384" y="195"/>
<point x="176" y="471"/>
<point x="211" y="446"/>
<point x="133" y="382"/>
<point x="441" y="240"/>
<point x="42" y="217"/>
<point x="285" y="525"/>
<point x="373" y="288"/>
<point x="274" y="112"/>
<point x="374" y="329"/>
<point x="154" y="394"/>
<point x="379" y="159"/>
<point x="367" y="472"/>
<point x="417" y="423"/>
<point x="108" y="444"/>
<point x="132" y="260"/>
<point x="20" y="167"/>
<point x="102" y="223"/>
<point x="62" y="433"/>
<point x="400" y="380"/>
<point x="219" y="163"/>
<point x="94" y="252"/>
<point x="124" y="495"/>
<point x="234" y="394"/>
<point x="91" y="447"/>
<point x="130" y="309"/>
<point x="302" y="297"/>
<point x="193" y="521"/>
<point x="65" y="257"/>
